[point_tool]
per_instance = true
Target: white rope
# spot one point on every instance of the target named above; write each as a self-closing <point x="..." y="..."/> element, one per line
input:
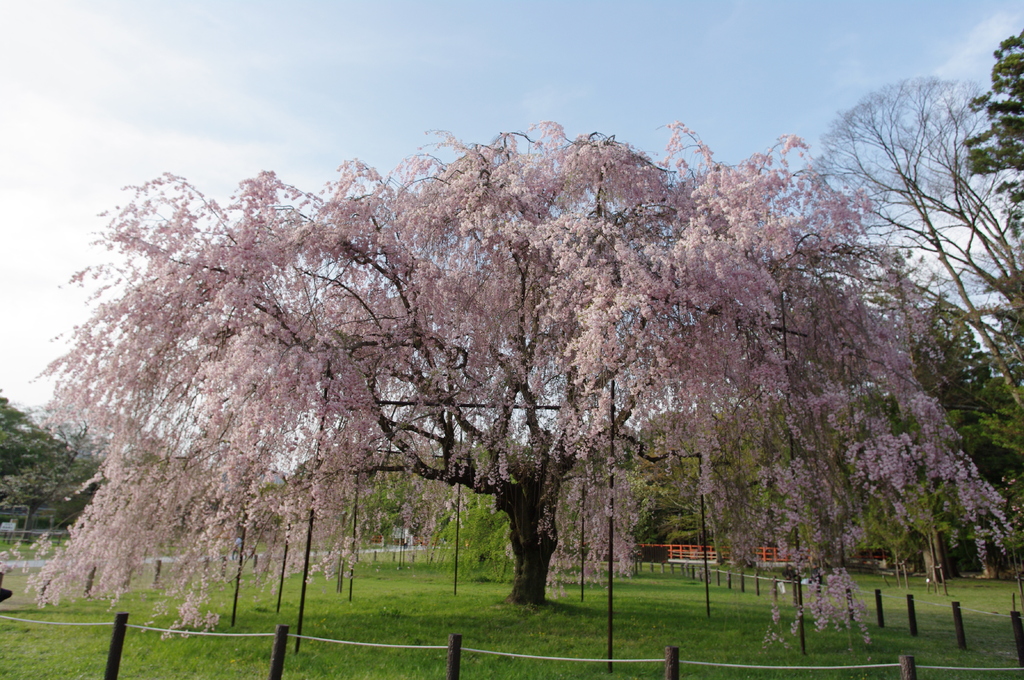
<point x="365" y="644"/>
<point x="745" y="575"/>
<point x="519" y="656"/>
<point x="955" y="668"/>
<point x="195" y="632"/>
<point x="792" y="668"/>
<point x="561" y="658"/>
<point x="968" y="609"/>
<point x="939" y="604"/>
<point x="694" y="663"/>
<point x="57" y="623"/>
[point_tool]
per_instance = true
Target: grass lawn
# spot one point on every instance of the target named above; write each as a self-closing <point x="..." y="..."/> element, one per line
<point x="416" y="606"/>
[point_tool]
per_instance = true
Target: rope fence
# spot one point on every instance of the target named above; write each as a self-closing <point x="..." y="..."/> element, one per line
<point x="363" y="644"/>
<point x="671" y="661"/>
<point x="775" y="579"/>
<point x="704" y="575"/>
<point x="940" y="604"/>
<point x="58" y="623"/>
<point x="560" y="658"/>
<point x="187" y="633"/>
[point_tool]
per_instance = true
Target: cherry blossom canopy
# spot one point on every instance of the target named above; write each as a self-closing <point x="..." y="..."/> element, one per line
<point x="464" y="321"/>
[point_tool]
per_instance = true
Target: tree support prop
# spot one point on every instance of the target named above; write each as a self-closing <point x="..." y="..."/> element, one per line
<point x="305" y="577"/>
<point x="911" y="615"/>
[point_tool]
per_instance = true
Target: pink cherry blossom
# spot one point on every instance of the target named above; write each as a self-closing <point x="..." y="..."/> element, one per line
<point x="463" y="323"/>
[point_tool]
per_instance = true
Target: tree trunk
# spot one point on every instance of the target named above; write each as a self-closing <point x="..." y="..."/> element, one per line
<point x="994" y="564"/>
<point x="936" y="554"/>
<point x="949" y="569"/>
<point x="532" y="546"/>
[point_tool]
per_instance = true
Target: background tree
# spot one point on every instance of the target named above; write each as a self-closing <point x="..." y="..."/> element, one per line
<point x="40" y="466"/>
<point x="1000" y="149"/>
<point x="20" y="439"/>
<point x="483" y="540"/>
<point x="905" y="147"/>
<point x="478" y="322"/>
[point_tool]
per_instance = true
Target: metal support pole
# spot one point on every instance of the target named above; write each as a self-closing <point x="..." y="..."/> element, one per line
<point x="878" y="608"/>
<point x="611" y="525"/>
<point x="238" y="576"/>
<point x="800" y="613"/>
<point x="583" y="529"/>
<point x="284" y="564"/>
<point x="458" y="518"/>
<point x="355" y="544"/>
<point x="704" y="550"/>
<point x="305" y="577"/>
<point x="911" y="615"/>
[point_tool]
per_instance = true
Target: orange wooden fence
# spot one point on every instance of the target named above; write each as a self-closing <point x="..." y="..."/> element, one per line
<point x="762" y="554"/>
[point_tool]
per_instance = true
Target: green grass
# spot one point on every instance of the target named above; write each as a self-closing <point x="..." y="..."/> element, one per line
<point x="416" y="606"/>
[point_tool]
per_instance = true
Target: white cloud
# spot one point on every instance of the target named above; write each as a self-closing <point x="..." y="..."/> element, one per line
<point x="971" y="58"/>
<point x="92" y="104"/>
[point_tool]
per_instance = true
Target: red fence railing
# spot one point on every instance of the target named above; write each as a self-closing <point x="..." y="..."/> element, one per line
<point x="653" y="552"/>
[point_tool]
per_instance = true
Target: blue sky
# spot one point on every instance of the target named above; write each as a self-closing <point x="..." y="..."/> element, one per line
<point x="98" y="95"/>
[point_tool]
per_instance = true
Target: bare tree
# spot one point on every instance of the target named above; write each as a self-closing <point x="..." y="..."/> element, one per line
<point x="905" y="147"/>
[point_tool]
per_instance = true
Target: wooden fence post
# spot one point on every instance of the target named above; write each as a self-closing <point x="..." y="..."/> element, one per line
<point x="911" y="616"/>
<point x="878" y="608"/>
<point x="279" y="652"/>
<point x="1018" y="636"/>
<point x="116" y="645"/>
<point x="454" y="656"/>
<point x="908" y="670"/>
<point x="728" y="580"/>
<point x="958" y="625"/>
<point x="671" y="663"/>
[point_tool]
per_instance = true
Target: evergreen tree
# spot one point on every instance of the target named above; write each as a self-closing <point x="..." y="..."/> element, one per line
<point x="1000" y="149"/>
